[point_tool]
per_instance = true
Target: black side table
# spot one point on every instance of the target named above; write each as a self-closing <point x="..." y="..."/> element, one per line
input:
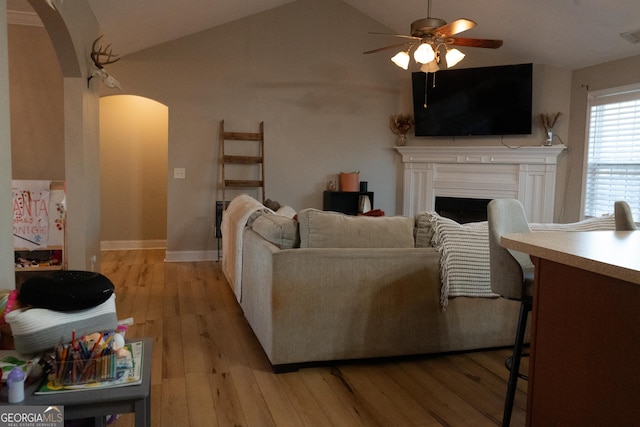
<point x="344" y="201"/>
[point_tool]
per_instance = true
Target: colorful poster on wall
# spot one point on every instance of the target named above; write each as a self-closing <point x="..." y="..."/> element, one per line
<point x="30" y="213"/>
<point x="57" y="213"/>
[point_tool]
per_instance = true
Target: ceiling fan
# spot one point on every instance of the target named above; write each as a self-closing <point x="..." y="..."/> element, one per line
<point x="429" y="35"/>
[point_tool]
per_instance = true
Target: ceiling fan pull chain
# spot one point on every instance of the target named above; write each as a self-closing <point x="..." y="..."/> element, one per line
<point x="426" y="86"/>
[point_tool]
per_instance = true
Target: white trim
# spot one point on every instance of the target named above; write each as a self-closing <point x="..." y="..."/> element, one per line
<point x="190" y="256"/>
<point x="114" y="245"/>
<point x="23" y="18"/>
<point x="529" y="154"/>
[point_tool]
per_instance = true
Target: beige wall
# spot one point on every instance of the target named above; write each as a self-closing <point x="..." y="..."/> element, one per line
<point x="325" y="105"/>
<point x="325" y="108"/>
<point x="133" y="171"/>
<point x="37" y="114"/>
<point x="300" y="69"/>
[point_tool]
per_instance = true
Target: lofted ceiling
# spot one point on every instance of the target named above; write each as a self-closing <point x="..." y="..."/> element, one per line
<point x="570" y="34"/>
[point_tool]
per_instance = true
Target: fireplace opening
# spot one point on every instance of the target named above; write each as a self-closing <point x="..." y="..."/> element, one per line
<point x="461" y="209"/>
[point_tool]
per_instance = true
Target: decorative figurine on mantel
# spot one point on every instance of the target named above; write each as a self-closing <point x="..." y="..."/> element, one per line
<point x="400" y="125"/>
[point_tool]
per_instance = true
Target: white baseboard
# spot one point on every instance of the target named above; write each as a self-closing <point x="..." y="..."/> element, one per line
<point x="115" y="245"/>
<point x="190" y="256"/>
<point x="170" y="256"/>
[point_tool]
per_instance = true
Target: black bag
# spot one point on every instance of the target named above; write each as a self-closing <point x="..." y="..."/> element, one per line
<point x="66" y="290"/>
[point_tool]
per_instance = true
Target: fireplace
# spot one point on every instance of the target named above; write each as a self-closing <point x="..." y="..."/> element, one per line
<point x="462" y="209"/>
<point x="480" y="172"/>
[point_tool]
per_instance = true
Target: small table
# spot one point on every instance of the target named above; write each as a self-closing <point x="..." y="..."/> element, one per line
<point x="99" y="403"/>
<point x="344" y="201"/>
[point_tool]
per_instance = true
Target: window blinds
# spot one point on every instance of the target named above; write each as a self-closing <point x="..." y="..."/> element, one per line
<point x="613" y="162"/>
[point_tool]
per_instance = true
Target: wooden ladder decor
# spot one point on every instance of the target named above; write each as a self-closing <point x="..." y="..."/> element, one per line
<point x="255" y="161"/>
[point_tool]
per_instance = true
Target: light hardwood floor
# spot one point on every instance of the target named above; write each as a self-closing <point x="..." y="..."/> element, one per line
<point x="209" y="369"/>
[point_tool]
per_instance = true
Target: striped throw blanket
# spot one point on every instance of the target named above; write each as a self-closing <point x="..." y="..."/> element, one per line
<point x="464" y="252"/>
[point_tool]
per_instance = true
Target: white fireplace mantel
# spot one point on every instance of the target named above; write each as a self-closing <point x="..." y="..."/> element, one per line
<point x="526" y="173"/>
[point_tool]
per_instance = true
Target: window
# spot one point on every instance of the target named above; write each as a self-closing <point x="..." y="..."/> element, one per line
<point x="613" y="157"/>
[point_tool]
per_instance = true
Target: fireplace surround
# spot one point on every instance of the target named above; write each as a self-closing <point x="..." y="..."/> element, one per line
<point x="526" y="173"/>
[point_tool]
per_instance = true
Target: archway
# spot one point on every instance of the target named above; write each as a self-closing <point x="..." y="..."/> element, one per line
<point x="134" y="142"/>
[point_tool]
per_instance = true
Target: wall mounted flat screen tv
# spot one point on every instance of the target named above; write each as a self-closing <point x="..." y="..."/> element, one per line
<point x="473" y="101"/>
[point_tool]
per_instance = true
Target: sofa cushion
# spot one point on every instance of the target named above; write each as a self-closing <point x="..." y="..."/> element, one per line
<point x="423" y="230"/>
<point x="325" y="229"/>
<point x="277" y="229"/>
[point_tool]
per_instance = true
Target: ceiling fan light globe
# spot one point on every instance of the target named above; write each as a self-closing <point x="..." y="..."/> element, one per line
<point x="424" y="53"/>
<point x="430" y="67"/>
<point x="454" y="56"/>
<point x="401" y="59"/>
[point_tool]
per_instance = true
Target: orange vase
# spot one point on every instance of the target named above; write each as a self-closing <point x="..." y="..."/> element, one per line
<point x="349" y="181"/>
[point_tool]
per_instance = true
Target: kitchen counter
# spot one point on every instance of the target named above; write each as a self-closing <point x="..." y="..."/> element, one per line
<point x="612" y="253"/>
<point x="585" y="336"/>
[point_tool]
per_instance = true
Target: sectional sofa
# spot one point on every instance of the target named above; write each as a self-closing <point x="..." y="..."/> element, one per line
<point x="325" y="286"/>
<point x="321" y="286"/>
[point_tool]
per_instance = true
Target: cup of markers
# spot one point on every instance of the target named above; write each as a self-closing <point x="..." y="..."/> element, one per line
<point x="84" y="361"/>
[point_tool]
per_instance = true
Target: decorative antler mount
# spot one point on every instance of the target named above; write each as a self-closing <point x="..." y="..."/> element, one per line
<point x="106" y="53"/>
<point x="102" y="56"/>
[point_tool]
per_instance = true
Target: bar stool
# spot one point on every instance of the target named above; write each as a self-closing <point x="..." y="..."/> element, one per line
<point x="511" y="275"/>
<point x="623" y="216"/>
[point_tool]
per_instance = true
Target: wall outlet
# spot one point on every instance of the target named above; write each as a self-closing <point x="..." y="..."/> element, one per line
<point x="179" y="173"/>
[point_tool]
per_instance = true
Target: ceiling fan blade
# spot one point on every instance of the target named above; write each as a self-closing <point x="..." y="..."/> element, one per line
<point x="484" y="43"/>
<point x="394" y="46"/>
<point x="455" y="27"/>
<point x="395" y="35"/>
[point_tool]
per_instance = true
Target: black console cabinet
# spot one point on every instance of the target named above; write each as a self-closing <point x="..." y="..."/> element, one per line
<point x="344" y="201"/>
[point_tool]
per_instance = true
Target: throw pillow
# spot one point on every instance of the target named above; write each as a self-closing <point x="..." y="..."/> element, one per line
<point x="286" y="211"/>
<point x="277" y="229"/>
<point x="272" y="204"/>
<point x="325" y="229"/>
<point x="424" y="229"/>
